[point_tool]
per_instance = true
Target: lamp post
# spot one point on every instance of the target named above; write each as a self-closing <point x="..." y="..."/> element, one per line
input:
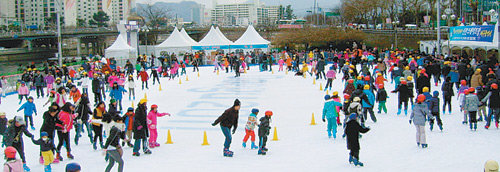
<point x="145" y="30"/>
<point x="395" y="27"/>
<point x="59" y="39"/>
<point x="448" y="16"/>
<point x="494" y="17"/>
<point x="438" y="28"/>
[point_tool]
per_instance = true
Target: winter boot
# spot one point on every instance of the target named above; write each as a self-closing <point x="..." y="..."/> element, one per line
<point x="432" y="126"/>
<point x="424" y="145"/>
<point x="47" y="168"/>
<point x="136" y="154"/>
<point x="357" y="163"/>
<point x="58" y="156"/>
<point x="475" y="126"/>
<point x="70" y="156"/>
<point x="151" y="145"/>
<point x="350" y="159"/>
<point x="41" y="160"/>
<point x="157" y="144"/>
<point x="471" y="126"/>
<point x="147" y="152"/>
<point x="261" y="152"/>
<point x="244" y="144"/>
<point x="26" y="168"/>
<point x="406" y="112"/>
<point x="440" y="127"/>
<point x="254" y="146"/>
<point x="399" y="111"/>
<point x="94" y="146"/>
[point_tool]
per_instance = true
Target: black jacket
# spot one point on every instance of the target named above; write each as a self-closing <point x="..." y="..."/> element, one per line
<point x="140" y="125"/>
<point x="83" y="109"/>
<point x="404" y="92"/>
<point x="3" y="125"/>
<point x="49" y="123"/>
<point x="228" y="119"/>
<point x="264" y="126"/>
<point x="423" y="81"/>
<point x="114" y="138"/>
<point x="352" y="130"/>
<point x="15" y="134"/>
<point x="44" y="145"/>
<point x="381" y="95"/>
<point x="447" y="89"/>
<point x="96" y="86"/>
<point x="39" y="80"/>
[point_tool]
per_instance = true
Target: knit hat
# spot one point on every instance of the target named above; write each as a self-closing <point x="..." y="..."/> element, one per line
<point x="143" y="101"/>
<point x="19" y="120"/>
<point x="112" y="101"/>
<point x="236" y="103"/>
<point x="130" y="109"/>
<point x="352" y="116"/>
<point x="43" y="133"/>
<point x="254" y="110"/>
<point x="435" y="93"/>
<point x="327" y="97"/>
<point x="73" y="167"/>
<point x="491" y="166"/>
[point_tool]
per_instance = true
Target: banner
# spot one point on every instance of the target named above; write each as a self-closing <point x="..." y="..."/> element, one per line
<point x="472" y="33"/>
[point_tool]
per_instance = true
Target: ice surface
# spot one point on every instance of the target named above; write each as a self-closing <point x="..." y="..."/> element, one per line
<point x="195" y="104"/>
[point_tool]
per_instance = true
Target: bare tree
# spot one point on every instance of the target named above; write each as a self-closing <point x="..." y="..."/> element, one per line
<point x="154" y="17"/>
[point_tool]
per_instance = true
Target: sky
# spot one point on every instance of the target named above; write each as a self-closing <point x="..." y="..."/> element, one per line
<point x="300" y="6"/>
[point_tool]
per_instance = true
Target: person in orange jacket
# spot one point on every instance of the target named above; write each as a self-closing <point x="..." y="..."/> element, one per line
<point x="380" y="79"/>
<point x="75" y="94"/>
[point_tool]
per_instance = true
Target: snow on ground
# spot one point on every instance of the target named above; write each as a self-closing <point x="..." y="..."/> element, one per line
<point x="195" y="104"/>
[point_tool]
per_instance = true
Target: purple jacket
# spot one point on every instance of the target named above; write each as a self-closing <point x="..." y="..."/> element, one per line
<point x="330" y="74"/>
<point x="49" y="79"/>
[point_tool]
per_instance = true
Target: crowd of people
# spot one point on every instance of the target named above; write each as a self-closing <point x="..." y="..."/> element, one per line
<point x="364" y="74"/>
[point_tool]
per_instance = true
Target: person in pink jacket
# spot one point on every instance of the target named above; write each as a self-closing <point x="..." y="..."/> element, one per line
<point x="281" y="62"/>
<point x="152" y="125"/>
<point x="112" y="79"/>
<point x="331" y="75"/>
<point x="23" y="91"/>
<point x="66" y="116"/>
<point x="12" y="164"/>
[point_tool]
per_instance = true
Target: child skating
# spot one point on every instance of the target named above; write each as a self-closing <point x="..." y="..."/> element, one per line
<point x="46" y="147"/>
<point x="249" y="129"/>
<point x="152" y="125"/>
<point x="418" y="116"/>
<point x="264" y="128"/>
<point x="330" y="113"/>
<point x="352" y="130"/>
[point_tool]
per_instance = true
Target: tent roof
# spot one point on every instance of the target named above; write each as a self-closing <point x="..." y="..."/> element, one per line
<point x="251" y="37"/>
<point x="214" y="38"/>
<point x="188" y="38"/>
<point x="175" y="40"/>
<point x="120" y="44"/>
<point x="222" y="35"/>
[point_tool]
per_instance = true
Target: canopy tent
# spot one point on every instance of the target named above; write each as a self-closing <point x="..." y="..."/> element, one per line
<point x="251" y="39"/>
<point x="188" y="38"/>
<point x="213" y="41"/>
<point x="222" y="35"/>
<point x="175" y="43"/>
<point x="121" y="51"/>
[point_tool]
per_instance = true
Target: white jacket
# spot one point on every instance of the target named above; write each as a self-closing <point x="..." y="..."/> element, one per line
<point x="130" y="84"/>
<point x="85" y="82"/>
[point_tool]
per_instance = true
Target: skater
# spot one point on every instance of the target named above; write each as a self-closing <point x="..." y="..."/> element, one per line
<point x="330" y="75"/>
<point x="403" y="96"/>
<point x="96" y="89"/>
<point x="144" y="78"/>
<point x="29" y="108"/>
<point x="434" y="108"/>
<point x="14" y="137"/>
<point x="83" y="110"/>
<point x="381" y="98"/>
<point x="74" y="94"/>
<point x="129" y="126"/>
<point x="352" y="130"/>
<point x="331" y="113"/>
<point x="66" y="116"/>
<point x="228" y="120"/>
<point x="117" y="93"/>
<point x="46" y="147"/>
<point x="97" y="123"/>
<point x="131" y="87"/>
<point x="154" y="75"/>
<point x="368" y="105"/>
<point x="85" y="83"/>
<point x="23" y="91"/>
<point x="141" y="132"/>
<point x="39" y="82"/>
<point x="447" y="89"/>
<point x="418" y="116"/>
<point x="249" y="133"/>
<point x="115" y="152"/>
<point x="471" y="105"/>
<point x="264" y="128"/>
<point x="153" y="125"/>
<point x="12" y="164"/>
<point x="461" y="94"/>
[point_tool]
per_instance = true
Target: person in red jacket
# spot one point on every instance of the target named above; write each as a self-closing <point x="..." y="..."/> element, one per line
<point x="66" y="116"/>
<point x="144" y="78"/>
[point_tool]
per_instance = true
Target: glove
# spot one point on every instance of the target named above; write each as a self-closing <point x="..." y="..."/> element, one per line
<point x="213" y="124"/>
<point x="323" y="119"/>
<point x="410" y="121"/>
<point x="139" y="127"/>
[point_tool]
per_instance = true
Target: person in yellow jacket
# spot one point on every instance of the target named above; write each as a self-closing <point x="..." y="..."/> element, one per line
<point x="99" y="112"/>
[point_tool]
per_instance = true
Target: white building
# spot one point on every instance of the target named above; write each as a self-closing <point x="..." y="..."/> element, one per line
<point x="117" y="10"/>
<point x="244" y="14"/>
<point x="86" y="10"/>
<point x="7" y="12"/>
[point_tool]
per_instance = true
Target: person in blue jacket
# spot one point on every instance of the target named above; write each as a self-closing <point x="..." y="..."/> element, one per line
<point x="454" y="76"/>
<point x="368" y="106"/>
<point x="117" y="93"/>
<point x="331" y="114"/>
<point x="29" y="108"/>
<point x="434" y="109"/>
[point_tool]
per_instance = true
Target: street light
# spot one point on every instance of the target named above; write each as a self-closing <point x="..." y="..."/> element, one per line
<point x="145" y="29"/>
<point x="394" y="25"/>
<point x="448" y="15"/>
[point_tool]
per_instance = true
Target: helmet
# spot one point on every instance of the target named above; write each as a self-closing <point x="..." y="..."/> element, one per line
<point x="350" y="81"/>
<point x="409" y="78"/>
<point x="335" y="93"/>
<point x="466" y="92"/>
<point x="95" y="74"/>
<point x="379" y="74"/>
<point x="347" y="63"/>
<point x="478" y="70"/>
<point x="269" y="113"/>
<point x="425" y="89"/>
<point x="356" y="99"/>
<point x="69" y="81"/>
<point x="494" y="86"/>
<point x="10" y="152"/>
<point x="407" y="68"/>
<point x="367" y="78"/>
<point x="327" y="97"/>
<point x="420" y="98"/>
<point x="130" y="109"/>
<point x="85" y="73"/>
<point x="491" y="165"/>
<point x="359" y="77"/>
<point x="154" y="106"/>
<point x="347" y="96"/>
<point x="366" y="87"/>
<point x="472" y="90"/>
<point x="403" y="82"/>
<point x="463" y="82"/>
<point x="352" y="66"/>
<point x="402" y="79"/>
<point x="255" y="110"/>
<point x="107" y="72"/>
<point x="351" y="71"/>
<point x="380" y="86"/>
<point x="143" y="101"/>
<point x="43" y="133"/>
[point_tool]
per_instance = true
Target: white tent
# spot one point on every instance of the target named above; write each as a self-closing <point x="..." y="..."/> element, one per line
<point x="175" y="43"/>
<point x="121" y="51"/>
<point x="188" y="38"/>
<point x="213" y="41"/>
<point x="222" y="35"/>
<point x="250" y="40"/>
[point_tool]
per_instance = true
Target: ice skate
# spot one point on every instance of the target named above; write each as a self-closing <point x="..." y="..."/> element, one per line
<point x="424" y="145"/>
<point x="244" y="144"/>
<point x="136" y="154"/>
<point x="70" y="156"/>
<point x="47" y="168"/>
<point x="254" y="146"/>
<point x="357" y="162"/>
<point x="26" y="168"/>
<point x="58" y="156"/>
<point x="147" y="152"/>
<point x="227" y="152"/>
<point x="261" y="152"/>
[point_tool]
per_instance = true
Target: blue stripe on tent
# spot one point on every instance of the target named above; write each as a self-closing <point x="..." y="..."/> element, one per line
<point x="216" y="47"/>
<point x="249" y="46"/>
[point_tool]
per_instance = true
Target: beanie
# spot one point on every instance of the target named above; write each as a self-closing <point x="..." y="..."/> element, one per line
<point x="236" y="103"/>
